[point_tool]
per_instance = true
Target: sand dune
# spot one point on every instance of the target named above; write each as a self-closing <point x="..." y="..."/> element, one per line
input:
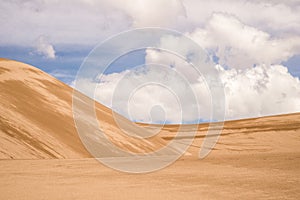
<point x="42" y="157"/>
<point x="33" y="105"/>
<point x="37" y="118"/>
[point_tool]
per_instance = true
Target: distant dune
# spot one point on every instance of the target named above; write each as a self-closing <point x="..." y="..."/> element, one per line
<point x="42" y="157"/>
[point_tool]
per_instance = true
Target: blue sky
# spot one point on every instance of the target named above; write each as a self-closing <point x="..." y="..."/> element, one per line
<point x="254" y="44"/>
<point x="68" y="60"/>
<point x="64" y="67"/>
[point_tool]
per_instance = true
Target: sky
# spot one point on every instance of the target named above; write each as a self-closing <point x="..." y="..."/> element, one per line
<point x="255" y="46"/>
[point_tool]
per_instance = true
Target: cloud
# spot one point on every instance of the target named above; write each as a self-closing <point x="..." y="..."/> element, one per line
<point x="240" y="46"/>
<point x="91" y="21"/>
<point x="259" y="91"/>
<point x="152" y="94"/>
<point x="43" y="47"/>
<point x="158" y="13"/>
<point x="81" y="22"/>
<point x="266" y="15"/>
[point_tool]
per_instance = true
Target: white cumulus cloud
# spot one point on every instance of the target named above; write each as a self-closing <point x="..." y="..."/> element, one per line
<point x="259" y="91"/>
<point x="240" y="46"/>
<point x="43" y="47"/>
<point x="250" y="92"/>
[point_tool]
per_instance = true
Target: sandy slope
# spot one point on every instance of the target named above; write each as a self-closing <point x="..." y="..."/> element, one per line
<point x="254" y="158"/>
<point x="33" y="106"/>
<point x="36" y="118"/>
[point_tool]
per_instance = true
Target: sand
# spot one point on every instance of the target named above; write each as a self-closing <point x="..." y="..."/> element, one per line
<point x="42" y="157"/>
